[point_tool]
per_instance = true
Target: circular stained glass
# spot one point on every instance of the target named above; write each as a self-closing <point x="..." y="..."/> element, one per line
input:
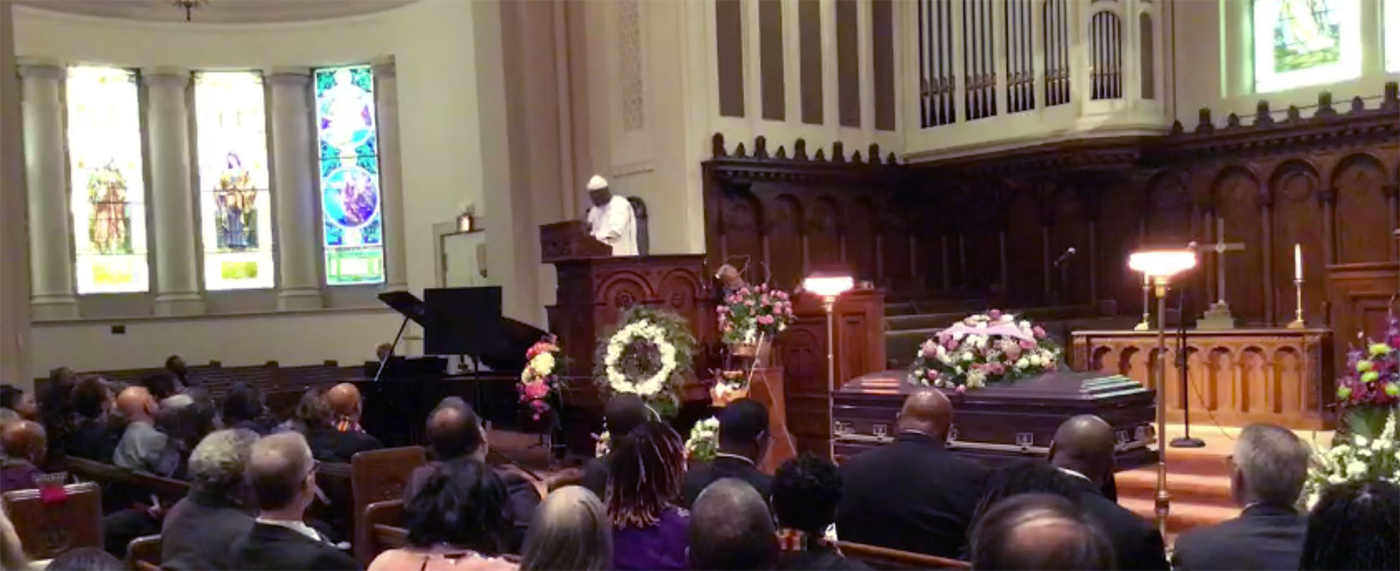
<point x="347" y="116"/>
<point x="350" y="197"/>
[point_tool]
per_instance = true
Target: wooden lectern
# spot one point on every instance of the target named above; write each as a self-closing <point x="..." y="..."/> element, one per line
<point x="1360" y="296"/>
<point x="569" y="241"/>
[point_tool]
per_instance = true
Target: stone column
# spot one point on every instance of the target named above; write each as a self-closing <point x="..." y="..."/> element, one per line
<point x="172" y="195"/>
<point x="50" y="234"/>
<point x="14" y="263"/>
<point x="293" y="188"/>
<point x="386" y="93"/>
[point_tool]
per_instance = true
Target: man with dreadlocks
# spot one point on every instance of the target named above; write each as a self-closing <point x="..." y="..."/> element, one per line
<point x="646" y="471"/>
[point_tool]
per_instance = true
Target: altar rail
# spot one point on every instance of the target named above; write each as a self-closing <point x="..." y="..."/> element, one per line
<point x="1239" y="376"/>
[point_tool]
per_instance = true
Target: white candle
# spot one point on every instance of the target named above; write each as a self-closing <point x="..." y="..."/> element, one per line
<point x="1298" y="262"/>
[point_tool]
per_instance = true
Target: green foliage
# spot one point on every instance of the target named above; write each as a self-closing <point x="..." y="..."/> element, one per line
<point x="676" y="331"/>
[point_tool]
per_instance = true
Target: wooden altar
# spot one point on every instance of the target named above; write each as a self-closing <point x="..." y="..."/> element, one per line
<point x="1236" y="376"/>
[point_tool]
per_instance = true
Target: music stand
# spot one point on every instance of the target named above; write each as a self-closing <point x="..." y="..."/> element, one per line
<point x="410" y="307"/>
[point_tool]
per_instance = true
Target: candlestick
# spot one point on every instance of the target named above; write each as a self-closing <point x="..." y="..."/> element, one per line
<point x="1297" y="262"/>
<point x="1297" y="322"/>
<point x="1146" y="300"/>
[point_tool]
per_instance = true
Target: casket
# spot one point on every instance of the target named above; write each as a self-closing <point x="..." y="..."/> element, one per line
<point x="1003" y="422"/>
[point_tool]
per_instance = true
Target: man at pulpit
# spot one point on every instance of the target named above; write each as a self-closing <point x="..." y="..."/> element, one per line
<point x="611" y="219"/>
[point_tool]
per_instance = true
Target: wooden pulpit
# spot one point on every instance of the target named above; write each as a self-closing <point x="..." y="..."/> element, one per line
<point x="570" y="241"/>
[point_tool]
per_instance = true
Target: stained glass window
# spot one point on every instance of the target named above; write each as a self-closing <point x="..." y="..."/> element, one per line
<point x="349" y="153"/>
<point x="107" y="194"/>
<point x="1305" y="42"/>
<point x="235" y="210"/>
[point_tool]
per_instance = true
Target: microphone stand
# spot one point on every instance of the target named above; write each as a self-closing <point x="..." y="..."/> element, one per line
<point x="1186" y="441"/>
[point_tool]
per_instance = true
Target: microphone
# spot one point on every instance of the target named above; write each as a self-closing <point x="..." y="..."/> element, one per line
<point x="1069" y="253"/>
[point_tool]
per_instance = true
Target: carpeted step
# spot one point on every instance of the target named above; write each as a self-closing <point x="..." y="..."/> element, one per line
<point x="1193" y="488"/>
<point x="1183" y="516"/>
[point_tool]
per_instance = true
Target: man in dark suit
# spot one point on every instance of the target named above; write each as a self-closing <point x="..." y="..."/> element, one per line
<point x="455" y="432"/>
<point x="1267" y="473"/>
<point x="1083" y="448"/>
<point x="197" y="532"/>
<point x="913" y="494"/>
<point x="743" y="437"/>
<point x="624" y="412"/>
<point x="283" y="477"/>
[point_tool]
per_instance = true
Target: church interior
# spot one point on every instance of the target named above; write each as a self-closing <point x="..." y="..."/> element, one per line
<point x="266" y="189"/>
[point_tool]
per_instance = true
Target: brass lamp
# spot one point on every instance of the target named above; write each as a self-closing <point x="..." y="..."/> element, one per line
<point x="830" y="286"/>
<point x="1159" y="265"/>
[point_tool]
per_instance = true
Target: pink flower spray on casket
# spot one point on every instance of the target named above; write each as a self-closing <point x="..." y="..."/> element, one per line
<point x="985" y="348"/>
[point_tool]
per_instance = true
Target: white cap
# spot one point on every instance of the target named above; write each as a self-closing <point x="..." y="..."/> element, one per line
<point x="597" y="183"/>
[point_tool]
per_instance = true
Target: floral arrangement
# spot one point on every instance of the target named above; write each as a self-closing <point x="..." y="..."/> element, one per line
<point x="703" y="441"/>
<point x="728" y="387"/>
<point x="990" y="347"/>
<point x="649" y="355"/>
<point x="602" y="444"/>
<point x="1356" y="458"/>
<point x="1373" y="373"/>
<point x="540" y="378"/>
<point x="753" y="312"/>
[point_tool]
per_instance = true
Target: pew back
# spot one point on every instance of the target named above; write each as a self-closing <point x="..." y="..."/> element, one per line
<point x="47" y="530"/>
<point x="886" y="558"/>
<point x="380" y="522"/>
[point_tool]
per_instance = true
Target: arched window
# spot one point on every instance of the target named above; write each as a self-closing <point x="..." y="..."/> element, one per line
<point x="107" y="190"/>
<point x="349" y="159"/>
<point x="235" y="210"/>
<point x="1305" y="42"/>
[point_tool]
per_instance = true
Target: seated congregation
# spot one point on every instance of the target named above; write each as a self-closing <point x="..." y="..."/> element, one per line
<point x="254" y="495"/>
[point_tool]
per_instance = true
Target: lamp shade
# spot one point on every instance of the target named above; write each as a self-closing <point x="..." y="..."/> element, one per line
<point x="1162" y="263"/>
<point x="828" y="285"/>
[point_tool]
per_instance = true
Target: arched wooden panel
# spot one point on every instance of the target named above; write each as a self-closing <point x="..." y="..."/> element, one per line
<point x="785" y="242"/>
<point x="1024" y="240"/>
<point x="1254" y="380"/>
<point x="1221" y="363"/>
<point x="741" y="230"/>
<point x="1361" y="216"/>
<point x="860" y="238"/>
<point x="1297" y="219"/>
<point x="824" y="233"/>
<point x="1168" y="214"/>
<point x="1237" y="202"/>
<point x="1071" y="230"/>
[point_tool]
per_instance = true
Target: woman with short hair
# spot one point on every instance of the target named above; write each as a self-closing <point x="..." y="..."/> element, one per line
<point x="570" y="530"/>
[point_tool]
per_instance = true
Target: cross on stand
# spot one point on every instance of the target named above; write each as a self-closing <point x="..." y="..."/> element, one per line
<point x="1218" y="316"/>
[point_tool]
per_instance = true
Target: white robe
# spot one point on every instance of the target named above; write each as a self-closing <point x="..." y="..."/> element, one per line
<point x="616" y="225"/>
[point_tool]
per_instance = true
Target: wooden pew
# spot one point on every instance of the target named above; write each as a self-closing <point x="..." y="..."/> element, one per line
<point x="121" y="486"/>
<point x="379" y="476"/>
<point x="143" y="553"/>
<point x="48" y="530"/>
<point x="335" y="482"/>
<point x="886" y="558"/>
<point x="380" y="521"/>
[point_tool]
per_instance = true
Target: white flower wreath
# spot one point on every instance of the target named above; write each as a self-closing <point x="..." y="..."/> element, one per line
<point x="649" y="333"/>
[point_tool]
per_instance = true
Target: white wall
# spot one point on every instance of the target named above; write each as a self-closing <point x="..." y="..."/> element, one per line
<point x="347" y="336"/>
<point x="453" y="145"/>
<point x="1213" y="64"/>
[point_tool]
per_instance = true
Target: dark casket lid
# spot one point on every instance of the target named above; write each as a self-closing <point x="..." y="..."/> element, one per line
<point x="1057" y="388"/>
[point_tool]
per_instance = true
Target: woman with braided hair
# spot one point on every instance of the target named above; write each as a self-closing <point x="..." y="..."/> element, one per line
<point x="646" y="472"/>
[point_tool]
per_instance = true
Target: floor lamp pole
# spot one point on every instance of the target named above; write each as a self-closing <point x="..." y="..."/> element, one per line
<point x="1163" y="503"/>
<point x="829" y="304"/>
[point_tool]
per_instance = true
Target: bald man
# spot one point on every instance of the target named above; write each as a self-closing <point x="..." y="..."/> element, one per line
<point x="344" y="437"/>
<point x="141" y="445"/>
<point x="344" y="401"/>
<point x="913" y="494"/>
<point x="25" y="445"/>
<point x="1083" y="448"/>
<point x="731" y="528"/>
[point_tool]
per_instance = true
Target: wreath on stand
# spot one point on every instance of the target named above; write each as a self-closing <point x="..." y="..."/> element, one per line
<point x="649" y="354"/>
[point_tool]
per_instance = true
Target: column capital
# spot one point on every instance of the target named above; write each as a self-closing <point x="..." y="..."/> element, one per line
<point x="384" y="67"/>
<point x="165" y="76"/>
<point x="292" y="76"/>
<point x="34" y="68"/>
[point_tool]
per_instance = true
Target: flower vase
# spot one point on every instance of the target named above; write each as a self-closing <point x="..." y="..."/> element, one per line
<point x="757" y="353"/>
